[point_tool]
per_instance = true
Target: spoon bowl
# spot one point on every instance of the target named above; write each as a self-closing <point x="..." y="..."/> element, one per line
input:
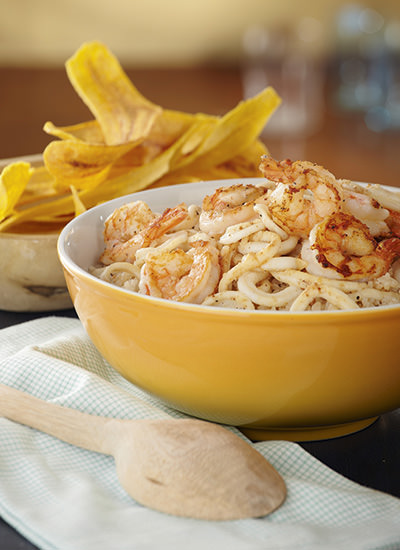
<point x="185" y="467"/>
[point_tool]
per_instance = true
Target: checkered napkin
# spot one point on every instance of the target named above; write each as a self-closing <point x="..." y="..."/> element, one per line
<point x="63" y="497"/>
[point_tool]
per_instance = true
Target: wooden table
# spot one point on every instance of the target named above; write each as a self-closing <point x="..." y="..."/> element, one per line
<point x="343" y="144"/>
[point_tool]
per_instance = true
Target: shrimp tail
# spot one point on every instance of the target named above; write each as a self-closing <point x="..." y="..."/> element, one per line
<point x="389" y="249"/>
<point x="169" y="219"/>
<point x="276" y="171"/>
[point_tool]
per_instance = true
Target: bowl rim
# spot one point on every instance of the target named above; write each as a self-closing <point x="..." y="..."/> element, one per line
<point x="53" y="235"/>
<point x="74" y="268"/>
<point x="34" y="158"/>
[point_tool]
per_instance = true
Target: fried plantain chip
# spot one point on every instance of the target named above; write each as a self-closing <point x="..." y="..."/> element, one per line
<point x="78" y="204"/>
<point x="208" y="143"/>
<point x="144" y="175"/>
<point x="244" y="165"/>
<point x="235" y="131"/>
<point x="56" y="211"/>
<point x="131" y="144"/>
<point x="13" y="181"/>
<point x="166" y="129"/>
<point x="90" y="132"/>
<point x="40" y="186"/>
<point x="81" y="164"/>
<point x="122" y="112"/>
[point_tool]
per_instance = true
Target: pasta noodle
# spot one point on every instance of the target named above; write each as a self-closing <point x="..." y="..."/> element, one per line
<point x="256" y="264"/>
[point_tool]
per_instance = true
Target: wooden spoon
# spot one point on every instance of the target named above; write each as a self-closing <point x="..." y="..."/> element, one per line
<point x="184" y="467"/>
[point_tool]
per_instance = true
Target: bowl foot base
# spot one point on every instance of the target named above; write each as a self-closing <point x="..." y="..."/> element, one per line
<point x="306" y="434"/>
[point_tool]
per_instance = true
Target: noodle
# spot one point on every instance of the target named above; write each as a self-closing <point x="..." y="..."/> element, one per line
<point x="261" y="266"/>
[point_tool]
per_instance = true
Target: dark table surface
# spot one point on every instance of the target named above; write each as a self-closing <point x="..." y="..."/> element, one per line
<point x="370" y="457"/>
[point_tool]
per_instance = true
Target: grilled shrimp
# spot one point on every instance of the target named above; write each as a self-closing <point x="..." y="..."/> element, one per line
<point x="305" y="194"/>
<point x="368" y="210"/>
<point x="127" y="220"/>
<point x="394" y="222"/>
<point x="229" y="206"/>
<point x="182" y="276"/>
<point x="342" y="247"/>
<point x="135" y="226"/>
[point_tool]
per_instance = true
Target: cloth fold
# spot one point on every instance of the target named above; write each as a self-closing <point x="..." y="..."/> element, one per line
<point x="66" y="498"/>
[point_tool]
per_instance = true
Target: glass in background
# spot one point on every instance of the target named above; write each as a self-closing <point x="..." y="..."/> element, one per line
<point x="368" y="66"/>
<point x="285" y="58"/>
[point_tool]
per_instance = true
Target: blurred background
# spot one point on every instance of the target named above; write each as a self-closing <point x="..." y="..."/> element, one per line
<point x="336" y="65"/>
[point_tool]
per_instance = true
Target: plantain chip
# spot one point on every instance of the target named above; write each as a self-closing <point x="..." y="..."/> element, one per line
<point x="243" y="165"/>
<point x="166" y="128"/>
<point x="208" y="143"/>
<point x="81" y="164"/>
<point x="40" y="186"/>
<point x="56" y="211"/>
<point x="122" y="112"/>
<point x="78" y="204"/>
<point x="130" y="144"/>
<point x="90" y="132"/>
<point x="169" y="126"/>
<point x="246" y="163"/>
<point x="144" y="175"/>
<point x="235" y="131"/>
<point x="13" y="181"/>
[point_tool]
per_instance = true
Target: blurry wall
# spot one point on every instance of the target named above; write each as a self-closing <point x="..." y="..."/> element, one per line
<point x="155" y="32"/>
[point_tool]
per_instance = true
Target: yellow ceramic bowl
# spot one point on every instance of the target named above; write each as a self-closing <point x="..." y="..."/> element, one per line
<point x="276" y="375"/>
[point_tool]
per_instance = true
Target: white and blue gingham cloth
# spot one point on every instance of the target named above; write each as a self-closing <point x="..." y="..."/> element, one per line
<point x="66" y="498"/>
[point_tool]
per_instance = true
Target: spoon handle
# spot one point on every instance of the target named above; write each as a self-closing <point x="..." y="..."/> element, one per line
<point x="72" y="426"/>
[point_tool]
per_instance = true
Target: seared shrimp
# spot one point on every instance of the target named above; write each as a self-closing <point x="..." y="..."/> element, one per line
<point x="305" y="194"/>
<point x="129" y="229"/>
<point x="127" y="221"/>
<point x="342" y="247"/>
<point x="230" y="206"/>
<point x="182" y="276"/>
<point x="368" y="210"/>
<point x="394" y="222"/>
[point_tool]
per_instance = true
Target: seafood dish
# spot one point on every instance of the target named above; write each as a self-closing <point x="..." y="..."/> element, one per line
<point x="299" y="240"/>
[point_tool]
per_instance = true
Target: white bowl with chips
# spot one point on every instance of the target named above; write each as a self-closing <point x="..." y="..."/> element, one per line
<point x="275" y="374"/>
<point x="31" y="276"/>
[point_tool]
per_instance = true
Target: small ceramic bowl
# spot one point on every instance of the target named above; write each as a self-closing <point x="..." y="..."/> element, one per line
<point x="275" y="375"/>
<point x="31" y="276"/>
